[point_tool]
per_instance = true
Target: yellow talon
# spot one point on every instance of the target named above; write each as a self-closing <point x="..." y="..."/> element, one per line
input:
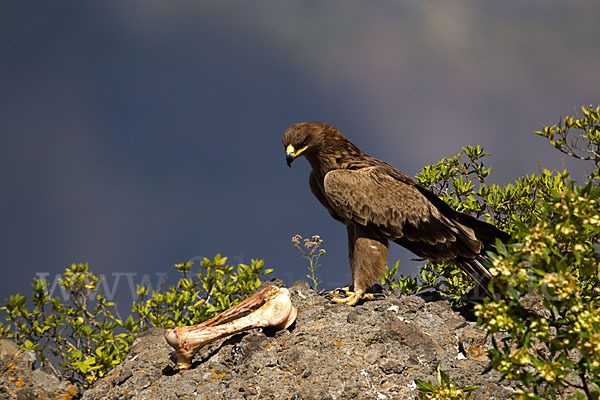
<point x="353" y="297"/>
<point x="345" y="291"/>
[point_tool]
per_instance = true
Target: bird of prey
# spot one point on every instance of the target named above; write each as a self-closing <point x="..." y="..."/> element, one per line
<point x="379" y="204"/>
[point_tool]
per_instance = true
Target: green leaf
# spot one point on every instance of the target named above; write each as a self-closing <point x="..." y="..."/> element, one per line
<point x="425" y="387"/>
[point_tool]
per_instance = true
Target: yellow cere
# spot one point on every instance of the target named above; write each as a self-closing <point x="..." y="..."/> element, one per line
<point x="292" y="152"/>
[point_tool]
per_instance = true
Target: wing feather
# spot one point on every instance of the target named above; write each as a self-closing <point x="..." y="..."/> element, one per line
<point x="395" y="208"/>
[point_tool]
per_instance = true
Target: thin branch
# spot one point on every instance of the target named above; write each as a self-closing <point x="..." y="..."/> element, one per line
<point x="586" y="389"/>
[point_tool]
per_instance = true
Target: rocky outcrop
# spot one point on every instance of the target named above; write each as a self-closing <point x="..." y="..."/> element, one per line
<point x="333" y="351"/>
<point x="21" y="381"/>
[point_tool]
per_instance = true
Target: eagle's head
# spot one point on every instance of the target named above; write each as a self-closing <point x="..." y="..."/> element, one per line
<point x="304" y="138"/>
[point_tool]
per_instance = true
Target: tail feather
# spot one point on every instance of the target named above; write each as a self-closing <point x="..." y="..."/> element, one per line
<point x="486" y="234"/>
<point x="477" y="271"/>
<point x="484" y="231"/>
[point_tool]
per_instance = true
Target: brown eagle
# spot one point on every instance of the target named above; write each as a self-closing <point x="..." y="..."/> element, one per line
<point x="378" y="204"/>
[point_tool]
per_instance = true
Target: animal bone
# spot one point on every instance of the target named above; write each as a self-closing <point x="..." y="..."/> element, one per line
<point x="269" y="307"/>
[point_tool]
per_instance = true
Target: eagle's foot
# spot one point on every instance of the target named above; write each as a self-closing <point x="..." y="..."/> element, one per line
<point x="343" y="291"/>
<point x="352" y="298"/>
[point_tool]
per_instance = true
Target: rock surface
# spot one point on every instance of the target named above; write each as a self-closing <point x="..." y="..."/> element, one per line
<point x="371" y="351"/>
<point x="19" y="380"/>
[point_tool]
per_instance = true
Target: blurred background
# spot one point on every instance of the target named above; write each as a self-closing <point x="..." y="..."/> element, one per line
<point x="137" y="134"/>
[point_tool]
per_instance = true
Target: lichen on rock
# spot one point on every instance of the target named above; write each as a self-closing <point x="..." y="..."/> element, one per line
<point x="19" y="379"/>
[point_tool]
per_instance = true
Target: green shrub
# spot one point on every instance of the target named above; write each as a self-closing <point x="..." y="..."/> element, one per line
<point x="444" y="390"/>
<point x="584" y="144"/>
<point x="557" y="261"/>
<point x="78" y="341"/>
<point x="407" y="284"/>
<point x="554" y="258"/>
<point x="217" y="288"/>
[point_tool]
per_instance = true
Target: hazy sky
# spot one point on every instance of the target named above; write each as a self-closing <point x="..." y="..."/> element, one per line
<point x="138" y="134"/>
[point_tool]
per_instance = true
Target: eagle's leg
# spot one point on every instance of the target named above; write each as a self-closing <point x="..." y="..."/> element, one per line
<point x="367" y="259"/>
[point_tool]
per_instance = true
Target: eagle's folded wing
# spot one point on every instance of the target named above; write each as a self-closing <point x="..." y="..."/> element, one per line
<point x="382" y="203"/>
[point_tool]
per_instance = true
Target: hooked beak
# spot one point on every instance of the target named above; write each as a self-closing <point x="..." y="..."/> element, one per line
<point x="289" y="159"/>
<point x="291" y="154"/>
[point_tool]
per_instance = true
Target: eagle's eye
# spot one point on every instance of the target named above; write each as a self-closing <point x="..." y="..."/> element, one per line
<point x="304" y="142"/>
